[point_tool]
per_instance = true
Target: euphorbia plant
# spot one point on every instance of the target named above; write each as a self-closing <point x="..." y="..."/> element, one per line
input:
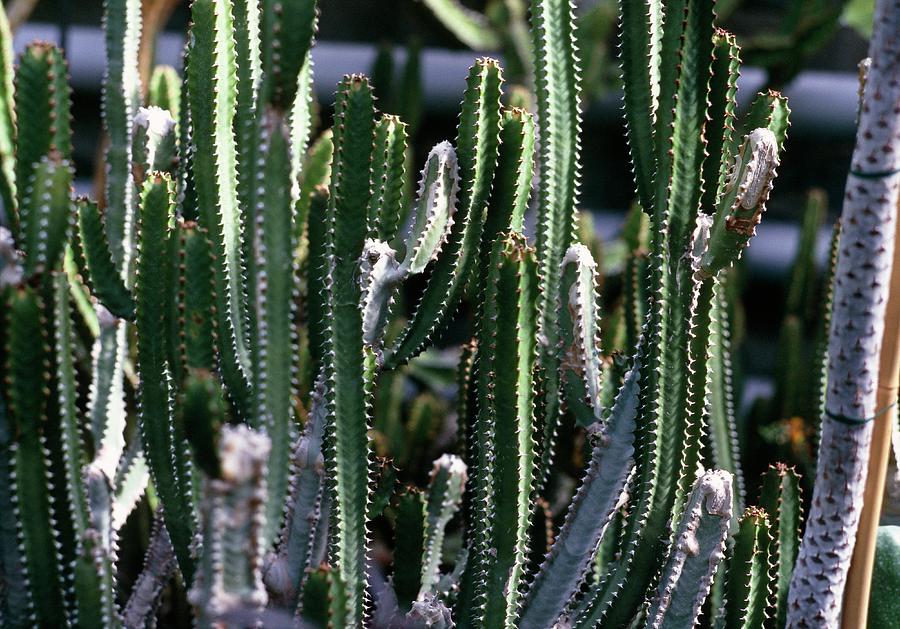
<point x="249" y="288"/>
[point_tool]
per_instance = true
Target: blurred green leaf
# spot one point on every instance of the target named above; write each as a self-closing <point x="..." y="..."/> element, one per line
<point x="884" y="605"/>
<point x="858" y="16"/>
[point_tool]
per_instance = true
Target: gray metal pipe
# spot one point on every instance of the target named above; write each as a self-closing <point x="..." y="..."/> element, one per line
<point x="822" y="103"/>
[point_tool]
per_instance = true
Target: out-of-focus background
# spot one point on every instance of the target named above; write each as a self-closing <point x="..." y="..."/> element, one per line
<point x="809" y="49"/>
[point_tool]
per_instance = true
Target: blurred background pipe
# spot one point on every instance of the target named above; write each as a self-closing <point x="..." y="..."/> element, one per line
<point x="822" y="103"/>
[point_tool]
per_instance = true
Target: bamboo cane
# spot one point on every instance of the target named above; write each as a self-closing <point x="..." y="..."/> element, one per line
<point x="859" y="579"/>
<point x="156" y="14"/>
<point x="18" y="12"/>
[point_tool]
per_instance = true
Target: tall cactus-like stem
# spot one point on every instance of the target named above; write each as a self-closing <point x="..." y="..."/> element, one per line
<point x="695" y="556"/>
<point x="229" y="582"/>
<point x="445" y="492"/>
<point x="26" y="389"/>
<point x="159" y="566"/>
<point x="861" y="279"/>
<point x="861" y="576"/>
<point x="388" y="177"/>
<point x="286" y="36"/>
<point x="666" y="432"/>
<point x="89" y="522"/>
<point x="347" y="362"/>
<point x="748" y="594"/>
<point x="42" y="113"/>
<point x="780" y="497"/>
<point x="121" y="98"/>
<point x="276" y="290"/>
<point x="557" y="81"/>
<point x="497" y="531"/>
<point x="212" y="71"/>
<point x="156" y="396"/>
<point x="286" y="569"/>
<point x="591" y="510"/>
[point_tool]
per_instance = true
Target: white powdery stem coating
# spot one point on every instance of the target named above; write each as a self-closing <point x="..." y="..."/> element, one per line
<point x="763" y="160"/>
<point x="860" y="296"/>
<point x="159" y="566"/>
<point x="434" y="209"/>
<point x="700" y="241"/>
<point x="156" y="125"/>
<point x="10" y="260"/>
<point x="379" y="275"/>
<point x="584" y="355"/>
<point x="454" y="465"/>
<point x="579" y="254"/>
<point x="243" y="453"/>
<point x="157" y="121"/>
<point x="710" y="501"/>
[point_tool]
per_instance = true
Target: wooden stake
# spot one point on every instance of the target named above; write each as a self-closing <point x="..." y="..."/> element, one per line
<point x="156" y="14"/>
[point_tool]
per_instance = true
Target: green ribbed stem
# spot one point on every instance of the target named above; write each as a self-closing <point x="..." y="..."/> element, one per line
<point x="156" y="396"/>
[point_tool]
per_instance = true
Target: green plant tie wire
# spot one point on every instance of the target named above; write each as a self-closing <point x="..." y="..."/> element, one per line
<point x="878" y="174"/>
<point x="859" y="421"/>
